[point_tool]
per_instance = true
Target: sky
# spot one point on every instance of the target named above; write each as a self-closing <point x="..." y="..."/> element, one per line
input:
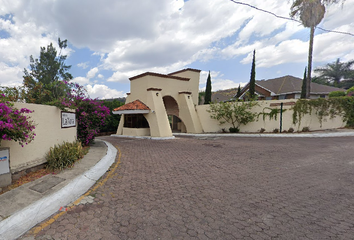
<point x="110" y="41"/>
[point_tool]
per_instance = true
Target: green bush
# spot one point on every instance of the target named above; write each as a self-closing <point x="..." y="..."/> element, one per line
<point x="64" y="155"/>
<point x="112" y="120"/>
<point x="234" y="130"/>
<point x="236" y="114"/>
<point x="336" y="94"/>
<point x="350" y="91"/>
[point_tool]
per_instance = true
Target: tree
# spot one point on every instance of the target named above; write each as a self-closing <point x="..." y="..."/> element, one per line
<point x="238" y="94"/>
<point x="207" y="98"/>
<point x="44" y="81"/>
<point x="252" y="89"/>
<point x="303" y="87"/>
<point x="334" y="73"/>
<point x="112" y="120"/>
<point x="336" y="94"/>
<point x="311" y="13"/>
<point x="236" y="114"/>
<point x="201" y="97"/>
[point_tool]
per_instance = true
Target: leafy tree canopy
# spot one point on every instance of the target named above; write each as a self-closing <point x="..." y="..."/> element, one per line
<point x="236" y="114"/>
<point x="334" y="73"/>
<point x="43" y="83"/>
<point x="310" y="13"/>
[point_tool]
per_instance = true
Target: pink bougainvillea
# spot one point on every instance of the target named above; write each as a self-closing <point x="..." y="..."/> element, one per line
<point x="90" y="113"/>
<point x="15" y="125"/>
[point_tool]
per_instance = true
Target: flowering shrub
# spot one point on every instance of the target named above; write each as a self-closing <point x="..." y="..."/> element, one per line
<point x="90" y="113"/>
<point x="90" y="116"/>
<point x="14" y="124"/>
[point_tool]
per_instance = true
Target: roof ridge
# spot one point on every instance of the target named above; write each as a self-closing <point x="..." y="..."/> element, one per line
<point x="281" y="85"/>
<point x="134" y="105"/>
<point x="158" y="75"/>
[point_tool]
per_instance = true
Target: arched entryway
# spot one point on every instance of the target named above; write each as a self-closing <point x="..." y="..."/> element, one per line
<point x="172" y="111"/>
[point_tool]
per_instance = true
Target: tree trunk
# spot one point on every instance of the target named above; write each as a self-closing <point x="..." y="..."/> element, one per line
<point x="309" y="63"/>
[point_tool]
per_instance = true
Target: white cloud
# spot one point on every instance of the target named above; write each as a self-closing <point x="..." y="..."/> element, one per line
<point x="218" y="82"/>
<point x="83" y="65"/>
<point x="100" y="76"/>
<point x="101" y="91"/>
<point x="10" y="76"/>
<point x="92" y="73"/>
<point x="81" y="80"/>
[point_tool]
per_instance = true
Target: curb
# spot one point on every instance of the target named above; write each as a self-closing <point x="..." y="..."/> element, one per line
<point x="284" y="135"/>
<point x="23" y="220"/>
<point x="143" y="137"/>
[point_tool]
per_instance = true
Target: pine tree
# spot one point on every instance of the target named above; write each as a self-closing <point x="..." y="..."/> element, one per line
<point x="207" y="98"/>
<point x="303" y="87"/>
<point x="253" y="77"/>
<point x="43" y="81"/>
<point x="238" y="94"/>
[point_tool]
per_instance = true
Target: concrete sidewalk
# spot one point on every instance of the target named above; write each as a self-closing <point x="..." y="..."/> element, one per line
<point x="25" y="206"/>
<point x="316" y="134"/>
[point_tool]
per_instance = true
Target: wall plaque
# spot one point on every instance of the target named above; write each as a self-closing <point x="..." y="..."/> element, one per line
<point x="68" y="119"/>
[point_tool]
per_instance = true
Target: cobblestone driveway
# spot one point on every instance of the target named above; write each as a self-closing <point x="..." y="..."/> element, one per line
<point x="221" y="188"/>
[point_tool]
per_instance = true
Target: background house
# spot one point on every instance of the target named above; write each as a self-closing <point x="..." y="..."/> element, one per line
<point x="287" y="87"/>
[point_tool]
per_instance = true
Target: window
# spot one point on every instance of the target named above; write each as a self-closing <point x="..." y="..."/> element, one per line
<point x="135" y="121"/>
<point x="282" y="97"/>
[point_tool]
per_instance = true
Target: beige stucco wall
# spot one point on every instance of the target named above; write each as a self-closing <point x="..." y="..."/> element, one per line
<point x="136" y="131"/>
<point x="48" y="133"/>
<point x="311" y="121"/>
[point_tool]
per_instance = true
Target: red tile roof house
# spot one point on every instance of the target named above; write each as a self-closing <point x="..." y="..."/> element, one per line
<point x="287" y="87"/>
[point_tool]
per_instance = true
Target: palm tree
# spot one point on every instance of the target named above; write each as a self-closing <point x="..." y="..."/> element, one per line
<point x="311" y="13"/>
<point x="334" y="72"/>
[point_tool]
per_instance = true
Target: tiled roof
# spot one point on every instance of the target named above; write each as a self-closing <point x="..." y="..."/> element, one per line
<point x="158" y="75"/>
<point x="290" y="84"/>
<point x="135" y="105"/>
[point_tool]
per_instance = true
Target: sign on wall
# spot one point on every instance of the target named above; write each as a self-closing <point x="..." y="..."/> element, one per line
<point x="68" y="119"/>
<point x="4" y="161"/>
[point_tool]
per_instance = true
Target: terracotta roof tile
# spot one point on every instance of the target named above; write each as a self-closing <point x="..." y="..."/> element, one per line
<point x="135" y="105"/>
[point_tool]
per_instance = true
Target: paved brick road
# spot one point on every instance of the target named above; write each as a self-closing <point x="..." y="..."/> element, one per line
<point x="221" y="188"/>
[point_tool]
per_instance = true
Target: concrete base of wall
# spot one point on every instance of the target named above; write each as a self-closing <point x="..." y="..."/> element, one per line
<point x="5" y="179"/>
<point x="136" y="131"/>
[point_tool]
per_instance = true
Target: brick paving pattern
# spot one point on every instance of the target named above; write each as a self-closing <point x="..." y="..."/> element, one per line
<point x="220" y="188"/>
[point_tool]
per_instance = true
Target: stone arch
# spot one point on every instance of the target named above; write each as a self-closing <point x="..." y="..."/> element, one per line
<point x="172" y="110"/>
<point x="171" y="105"/>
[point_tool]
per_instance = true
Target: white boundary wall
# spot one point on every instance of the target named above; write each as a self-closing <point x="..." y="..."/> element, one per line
<point x="212" y="126"/>
<point x="48" y="133"/>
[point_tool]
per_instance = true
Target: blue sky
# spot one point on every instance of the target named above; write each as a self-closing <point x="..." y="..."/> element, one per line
<point x="111" y="41"/>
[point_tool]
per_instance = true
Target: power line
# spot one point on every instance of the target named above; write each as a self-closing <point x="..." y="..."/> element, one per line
<point x="287" y="18"/>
